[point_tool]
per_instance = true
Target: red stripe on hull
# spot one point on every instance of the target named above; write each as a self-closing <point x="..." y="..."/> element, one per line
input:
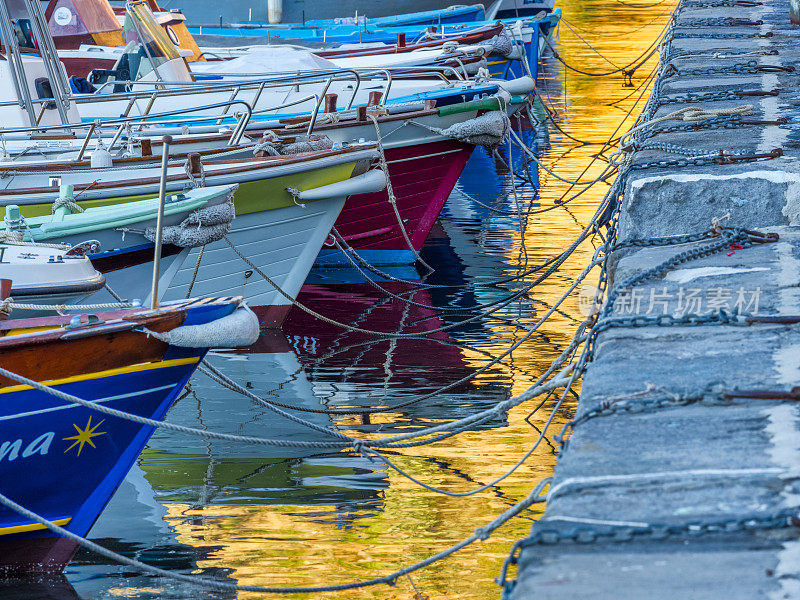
<point x="271" y="317"/>
<point x="422" y="181"/>
<point x="43" y="555"/>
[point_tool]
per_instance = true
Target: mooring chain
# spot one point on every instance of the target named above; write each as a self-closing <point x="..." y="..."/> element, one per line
<point x="638" y="146"/>
<point x="718" y="22"/>
<point x="692" y="98"/>
<point x="751" y="67"/>
<point x="548" y="533"/>
<point x="641" y="402"/>
<point x="725" y="237"/>
<point x="720" y="36"/>
<point x="655" y="399"/>
<point x="718" y="4"/>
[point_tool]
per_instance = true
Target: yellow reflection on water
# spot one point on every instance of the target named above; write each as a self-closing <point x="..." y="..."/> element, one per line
<point x="286" y="545"/>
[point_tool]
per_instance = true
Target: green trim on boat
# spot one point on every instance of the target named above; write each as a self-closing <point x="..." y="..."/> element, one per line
<point x="261" y="192"/>
<point x="492" y="103"/>
<point x="120" y="215"/>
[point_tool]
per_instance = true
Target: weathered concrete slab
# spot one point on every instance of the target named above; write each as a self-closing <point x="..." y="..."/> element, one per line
<point x="687" y="201"/>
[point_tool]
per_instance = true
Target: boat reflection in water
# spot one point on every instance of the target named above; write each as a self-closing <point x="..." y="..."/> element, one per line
<point x="367" y="371"/>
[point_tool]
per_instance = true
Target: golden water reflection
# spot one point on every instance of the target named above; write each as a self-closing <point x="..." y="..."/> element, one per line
<point x="285" y="541"/>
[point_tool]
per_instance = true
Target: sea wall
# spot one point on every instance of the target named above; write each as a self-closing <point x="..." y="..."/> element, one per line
<point x="681" y="478"/>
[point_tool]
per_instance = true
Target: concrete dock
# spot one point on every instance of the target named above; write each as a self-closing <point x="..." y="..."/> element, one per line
<point x="681" y="477"/>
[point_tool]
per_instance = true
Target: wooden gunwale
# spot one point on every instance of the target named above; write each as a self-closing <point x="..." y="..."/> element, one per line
<point x="45" y="356"/>
<point x="485" y="32"/>
<point x="251" y="164"/>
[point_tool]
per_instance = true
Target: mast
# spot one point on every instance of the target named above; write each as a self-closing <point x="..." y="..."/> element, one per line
<point x="15" y="62"/>
<point x="55" y="70"/>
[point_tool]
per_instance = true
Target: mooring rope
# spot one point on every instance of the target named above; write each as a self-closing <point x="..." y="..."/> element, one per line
<point x="383" y="334"/>
<point x="481" y="533"/>
<point x="390" y="193"/>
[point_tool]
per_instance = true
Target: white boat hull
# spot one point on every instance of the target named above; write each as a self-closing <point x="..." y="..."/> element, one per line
<point x="282" y="243"/>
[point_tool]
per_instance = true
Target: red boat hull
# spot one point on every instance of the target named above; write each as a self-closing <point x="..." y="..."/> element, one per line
<point x="422" y="178"/>
<point x="44" y="555"/>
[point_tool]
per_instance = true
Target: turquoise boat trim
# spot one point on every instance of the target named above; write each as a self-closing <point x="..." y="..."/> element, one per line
<point x="119" y="215"/>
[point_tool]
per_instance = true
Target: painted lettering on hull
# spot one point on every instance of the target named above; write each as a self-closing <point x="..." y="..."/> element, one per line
<point x="11" y="450"/>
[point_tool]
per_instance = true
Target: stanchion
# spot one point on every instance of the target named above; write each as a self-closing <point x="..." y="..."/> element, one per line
<point x="162" y="195"/>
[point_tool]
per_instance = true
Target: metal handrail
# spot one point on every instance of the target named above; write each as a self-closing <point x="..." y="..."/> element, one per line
<point x="118" y="120"/>
<point x="287" y="104"/>
<point x="316" y="108"/>
<point x="20" y="85"/>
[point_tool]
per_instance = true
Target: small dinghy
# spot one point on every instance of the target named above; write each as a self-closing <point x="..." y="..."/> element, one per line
<point x="44" y="276"/>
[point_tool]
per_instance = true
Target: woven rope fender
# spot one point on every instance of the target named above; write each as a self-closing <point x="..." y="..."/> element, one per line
<point x="238" y="329"/>
<point x="10" y="236"/>
<point x="475" y="67"/>
<point x="501" y="45"/>
<point x="271" y="145"/>
<point x="202" y="227"/>
<point x="489" y="130"/>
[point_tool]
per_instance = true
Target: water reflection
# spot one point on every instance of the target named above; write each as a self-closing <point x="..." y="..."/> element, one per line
<point x="296" y="517"/>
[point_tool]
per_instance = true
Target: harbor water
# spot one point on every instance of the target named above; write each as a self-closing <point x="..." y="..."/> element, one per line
<point x="295" y="517"/>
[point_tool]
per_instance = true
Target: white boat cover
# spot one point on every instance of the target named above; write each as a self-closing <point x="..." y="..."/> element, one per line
<point x="266" y="59"/>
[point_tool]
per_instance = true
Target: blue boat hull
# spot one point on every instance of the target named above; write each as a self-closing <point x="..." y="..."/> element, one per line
<point x="333" y="258"/>
<point x="41" y="436"/>
<point x="347" y="34"/>
<point x="63" y="461"/>
<point x="296" y="11"/>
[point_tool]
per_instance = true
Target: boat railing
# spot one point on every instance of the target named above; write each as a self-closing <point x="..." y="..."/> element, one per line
<point x="92" y="127"/>
<point x="259" y="82"/>
<point x="185" y="88"/>
<point x="284" y="79"/>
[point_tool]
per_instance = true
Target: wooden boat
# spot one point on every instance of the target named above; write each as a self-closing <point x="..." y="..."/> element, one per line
<point x="42" y="96"/>
<point x="527" y="32"/>
<point x="89" y="36"/>
<point x="424" y="166"/>
<point x="321" y="37"/>
<point x="46" y="276"/>
<point x="277" y="231"/>
<point x="46" y="125"/>
<point x="62" y="460"/>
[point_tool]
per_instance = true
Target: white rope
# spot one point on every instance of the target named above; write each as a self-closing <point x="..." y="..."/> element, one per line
<point x="68" y="202"/>
<point x="11" y="240"/>
<point x="63" y="307"/>
<point x="13" y="237"/>
<point x="689" y="113"/>
<point x="7" y="305"/>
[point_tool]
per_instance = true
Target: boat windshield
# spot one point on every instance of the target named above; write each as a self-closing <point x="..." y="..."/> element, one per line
<point x="141" y="26"/>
